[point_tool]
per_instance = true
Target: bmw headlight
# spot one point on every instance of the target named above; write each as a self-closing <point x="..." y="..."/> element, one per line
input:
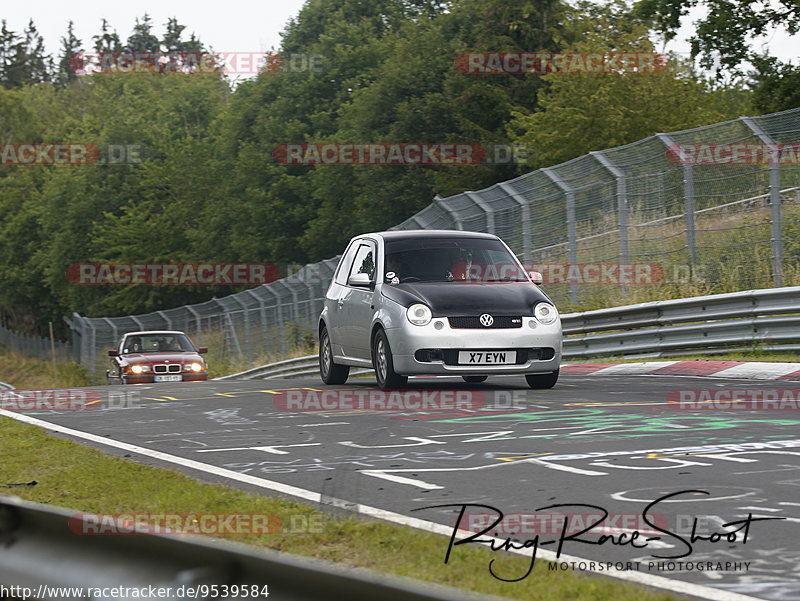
<point x="193" y="367"/>
<point x="138" y="369"/>
<point x="545" y="313"/>
<point x="419" y="314"/>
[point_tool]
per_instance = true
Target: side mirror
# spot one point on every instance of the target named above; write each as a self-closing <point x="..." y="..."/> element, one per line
<point x="359" y="280"/>
<point x="202" y="350"/>
<point x="113" y="353"/>
<point x="536" y="277"/>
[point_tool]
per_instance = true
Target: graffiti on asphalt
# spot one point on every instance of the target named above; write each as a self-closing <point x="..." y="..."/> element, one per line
<point x="595" y="422"/>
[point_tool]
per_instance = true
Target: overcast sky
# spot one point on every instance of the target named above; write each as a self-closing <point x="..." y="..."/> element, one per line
<point x="230" y="26"/>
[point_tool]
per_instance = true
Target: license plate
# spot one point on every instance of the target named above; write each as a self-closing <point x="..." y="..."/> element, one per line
<point x="487" y="357"/>
<point x="170" y="378"/>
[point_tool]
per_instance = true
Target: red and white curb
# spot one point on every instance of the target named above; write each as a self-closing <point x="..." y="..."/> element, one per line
<point x="747" y="370"/>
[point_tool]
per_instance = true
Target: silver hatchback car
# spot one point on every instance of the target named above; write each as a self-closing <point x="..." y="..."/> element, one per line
<point x="437" y="302"/>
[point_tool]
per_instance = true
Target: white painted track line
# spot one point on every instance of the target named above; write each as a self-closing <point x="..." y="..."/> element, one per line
<point x="676" y="586"/>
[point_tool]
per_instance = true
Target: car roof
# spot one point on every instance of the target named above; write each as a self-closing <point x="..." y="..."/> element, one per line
<point x="144" y="332"/>
<point x="416" y="234"/>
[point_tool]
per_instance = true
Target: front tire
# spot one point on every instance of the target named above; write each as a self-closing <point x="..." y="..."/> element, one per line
<point x="474" y="379"/>
<point x="384" y="365"/>
<point x="330" y="372"/>
<point x="541" y="381"/>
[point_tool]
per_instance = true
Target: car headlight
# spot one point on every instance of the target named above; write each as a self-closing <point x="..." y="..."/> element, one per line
<point x="138" y="369"/>
<point x="194" y="367"/>
<point x="545" y="313"/>
<point x="419" y="314"/>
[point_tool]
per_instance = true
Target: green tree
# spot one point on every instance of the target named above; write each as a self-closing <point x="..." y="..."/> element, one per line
<point x="71" y="46"/>
<point x="107" y="40"/>
<point x="726" y="29"/>
<point x="723" y="39"/>
<point x="584" y="112"/>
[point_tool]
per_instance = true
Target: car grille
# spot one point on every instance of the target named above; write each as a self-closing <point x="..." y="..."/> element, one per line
<point x="173" y="368"/>
<point x="474" y="322"/>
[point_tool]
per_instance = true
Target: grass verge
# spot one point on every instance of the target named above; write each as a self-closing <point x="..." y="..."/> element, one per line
<point x="87" y="480"/>
<point x="22" y="371"/>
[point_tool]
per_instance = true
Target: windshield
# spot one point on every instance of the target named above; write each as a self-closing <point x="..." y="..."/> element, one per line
<point x="157" y="343"/>
<point x="472" y="260"/>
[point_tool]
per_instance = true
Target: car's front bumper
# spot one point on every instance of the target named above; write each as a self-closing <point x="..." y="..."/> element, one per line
<point x="532" y="337"/>
<point x="150" y="378"/>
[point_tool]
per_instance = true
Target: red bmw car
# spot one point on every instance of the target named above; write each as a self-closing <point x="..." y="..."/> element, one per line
<point x="156" y="356"/>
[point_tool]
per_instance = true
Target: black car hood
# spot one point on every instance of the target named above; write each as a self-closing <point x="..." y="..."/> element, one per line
<point x="452" y="299"/>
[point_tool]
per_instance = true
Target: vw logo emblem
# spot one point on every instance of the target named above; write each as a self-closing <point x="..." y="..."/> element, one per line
<point x="486" y="320"/>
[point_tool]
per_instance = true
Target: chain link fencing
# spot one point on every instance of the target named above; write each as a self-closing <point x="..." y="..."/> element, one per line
<point x="707" y="210"/>
<point x="34" y="346"/>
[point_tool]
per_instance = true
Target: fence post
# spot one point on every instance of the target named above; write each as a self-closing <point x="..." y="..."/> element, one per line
<point x="77" y="338"/>
<point x="246" y="319"/>
<point x="484" y="206"/>
<point x="294" y="305"/>
<point x="228" y="330"/>
<point x="572" y="235"/>
<point x="776" y="217"/>
<point x="166" y="319"/>
<point x="198" y="323"/>
<point x="279" y="307"/>
<point x="689" y="208"/>
<point x="622" y="203"/>
<point x="114" y="331"/>
<point x="442" y="202"/>
<point x="509" y="189"/>
<point x="263" y="315"/>
<point x="92" y="345"/>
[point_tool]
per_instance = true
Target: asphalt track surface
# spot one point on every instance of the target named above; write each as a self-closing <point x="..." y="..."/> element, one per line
<point x="612" y="442"/>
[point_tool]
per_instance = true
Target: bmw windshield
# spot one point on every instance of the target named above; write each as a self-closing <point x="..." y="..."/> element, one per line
<point x="157" y="343"/>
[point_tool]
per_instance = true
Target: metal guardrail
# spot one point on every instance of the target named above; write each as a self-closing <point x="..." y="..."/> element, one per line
<point x="290" y="368"/>
<point x="4" y="386"/>
<point x="766" y="319"/>
<point x="39" y="551"/>
<point x="285" y="368"/>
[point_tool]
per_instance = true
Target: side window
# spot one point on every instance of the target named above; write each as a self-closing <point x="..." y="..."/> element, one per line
<point x="364" y="261"/>
<point x="345" y="263"/>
